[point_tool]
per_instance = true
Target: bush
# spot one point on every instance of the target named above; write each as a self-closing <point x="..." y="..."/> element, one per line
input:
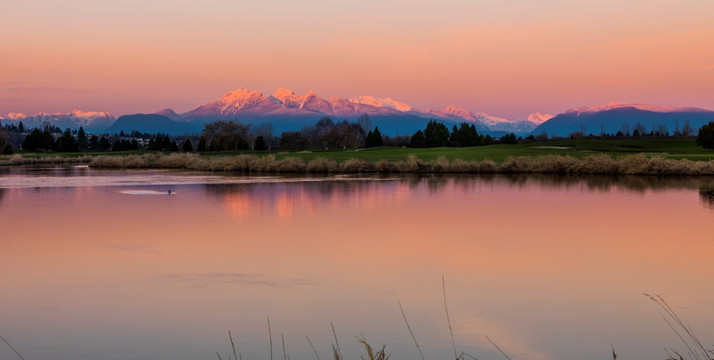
<point x="357" y="166"/>
<point x="463" y="166"/>
<point x="321" y="165"/>
<point x="383" y="166"/>
<point x="487" y="166"/>
<point x="262" y="164"/>
<point x="289" y="165"/>
<point x="441" y="164"/>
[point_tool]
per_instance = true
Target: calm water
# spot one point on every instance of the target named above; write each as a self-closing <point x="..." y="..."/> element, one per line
<point x="106" y="265"/>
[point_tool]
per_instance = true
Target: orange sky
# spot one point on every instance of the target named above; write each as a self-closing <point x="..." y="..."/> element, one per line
<point x="506" y="58"/>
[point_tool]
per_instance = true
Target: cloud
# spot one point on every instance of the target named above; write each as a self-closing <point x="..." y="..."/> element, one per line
<point x="244" y="279"/>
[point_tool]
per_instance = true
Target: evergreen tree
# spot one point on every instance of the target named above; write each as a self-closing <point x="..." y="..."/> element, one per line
<point x="374" y="138"/>
<point x="38" y="141"/>
<point x="417" y="140"/>
<point x="509" y="139"/>
<point x="377" y="137"/>
<point x="187" y="146"/>
<point x="464" y="135"/>
<point x="436" y="134"/>
<point x="104" y="143"/>
<point x="94" y="142"/>
<point x="82" y="141"/>
<point x="173" y="146"/>
<point x="705" y="138"/>
<point x="66" y="142"/>
<point x="201" y="144"/>
<point x="5" y="147"/>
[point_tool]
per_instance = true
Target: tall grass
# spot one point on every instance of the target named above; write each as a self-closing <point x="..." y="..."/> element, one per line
<point x="546" y="164"/>
<point x="695" y="350"/>
<point x="600" y="164"/>
<point x="17" y="159"/>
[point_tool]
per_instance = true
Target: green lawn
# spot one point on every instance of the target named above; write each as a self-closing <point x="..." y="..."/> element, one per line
<point x="581" y="148"/>
<point x="668" y="148"/>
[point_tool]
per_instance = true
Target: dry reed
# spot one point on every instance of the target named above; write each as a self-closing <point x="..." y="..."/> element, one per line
<point x="321" y="165"/>
<point x="596" y="164"/>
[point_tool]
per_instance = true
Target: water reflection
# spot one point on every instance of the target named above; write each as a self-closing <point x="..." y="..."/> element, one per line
<point x="282" y="198"/>
<point x="707" y="197"/>
<point x="164" y="276"/>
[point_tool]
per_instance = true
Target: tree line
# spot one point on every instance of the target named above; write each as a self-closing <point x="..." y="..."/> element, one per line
<point x="325" y="134"/>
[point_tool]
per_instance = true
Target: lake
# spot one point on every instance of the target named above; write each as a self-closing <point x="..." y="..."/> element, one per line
<point x="106" y="264"/>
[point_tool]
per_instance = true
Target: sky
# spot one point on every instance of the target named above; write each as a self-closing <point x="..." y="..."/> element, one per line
<point x="507" y="58"/>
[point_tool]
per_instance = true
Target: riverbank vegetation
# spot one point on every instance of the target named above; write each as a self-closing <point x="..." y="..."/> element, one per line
<point x="548" y="164"/>
<point x="577" y="156"/>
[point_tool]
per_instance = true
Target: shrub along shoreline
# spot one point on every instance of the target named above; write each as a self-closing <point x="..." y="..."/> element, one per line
<point x="597" y="164"/>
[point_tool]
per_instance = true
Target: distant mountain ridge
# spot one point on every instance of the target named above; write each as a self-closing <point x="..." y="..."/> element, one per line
<point x="91" y="121"/>
<point x="286" y="110"/>
<point x="615" y="117"/>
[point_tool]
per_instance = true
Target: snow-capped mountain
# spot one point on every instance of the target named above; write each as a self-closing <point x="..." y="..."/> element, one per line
<point x="91" y="121"/>
<point x="242" y="103"/>
<point x="483" y="121"/>
<point x="254" y="106"/>
<point x="381" y="102"/>
<point x="538" y="118"/>
<point x="287" y="110"/>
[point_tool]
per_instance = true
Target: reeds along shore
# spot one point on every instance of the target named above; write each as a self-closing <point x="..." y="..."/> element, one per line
<point x="550" y="164"/>
<point x="600" y="164"/>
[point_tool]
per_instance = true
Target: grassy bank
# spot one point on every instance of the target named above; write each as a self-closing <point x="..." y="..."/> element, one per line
<point x="583" y="156"/>
<point x="544" y="164"/>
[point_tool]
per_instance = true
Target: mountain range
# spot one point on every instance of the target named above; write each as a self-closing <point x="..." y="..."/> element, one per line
<point x="91" y="121"/>
<point x="624" y="117"/>
<point x="286" y="111"/>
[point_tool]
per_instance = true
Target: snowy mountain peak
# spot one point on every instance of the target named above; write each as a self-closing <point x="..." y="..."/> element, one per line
<point x="236" y="100"/>
<point x="287" y="97"/>
<point x="457" y="111"/>
<point x="16" y="116"/>
<point x="88" y="114"/>
<point x="538" y="118"/>
<point x="381" y="102"/>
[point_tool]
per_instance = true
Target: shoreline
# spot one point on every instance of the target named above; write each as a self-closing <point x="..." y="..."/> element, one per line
<point x="596" y="164"/>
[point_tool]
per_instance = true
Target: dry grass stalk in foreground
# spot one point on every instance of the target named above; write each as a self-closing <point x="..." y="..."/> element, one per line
<point x="695" y="348"/>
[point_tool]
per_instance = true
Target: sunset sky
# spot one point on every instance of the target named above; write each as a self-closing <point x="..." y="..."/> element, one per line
<point x="507" y="58"/>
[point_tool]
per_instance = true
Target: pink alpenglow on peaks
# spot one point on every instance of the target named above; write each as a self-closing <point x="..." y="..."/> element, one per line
<point x="16" y="116"/>
<point x="288" y="98"/>
<point x="538" y="118"/>
<point x="381" y="102"/>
